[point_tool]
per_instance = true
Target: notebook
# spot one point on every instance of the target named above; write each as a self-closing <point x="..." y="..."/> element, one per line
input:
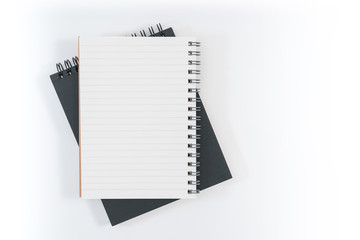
<point x="137" y="117"/>
<point x="215" y="171"/>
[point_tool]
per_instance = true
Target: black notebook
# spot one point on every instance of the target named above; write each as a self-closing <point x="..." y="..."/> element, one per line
<point x="213" y="168"/>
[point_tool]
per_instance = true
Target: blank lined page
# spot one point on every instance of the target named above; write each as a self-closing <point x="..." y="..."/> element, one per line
<point x="134" y="111"/>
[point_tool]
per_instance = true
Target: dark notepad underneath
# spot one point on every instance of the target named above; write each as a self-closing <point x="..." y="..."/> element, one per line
<point x="213" y="168"/>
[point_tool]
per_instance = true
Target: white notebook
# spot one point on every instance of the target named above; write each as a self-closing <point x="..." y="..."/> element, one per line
<point x="137" y="106"/>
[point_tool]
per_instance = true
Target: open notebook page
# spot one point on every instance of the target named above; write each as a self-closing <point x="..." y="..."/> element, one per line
<point x="134" y="105"/>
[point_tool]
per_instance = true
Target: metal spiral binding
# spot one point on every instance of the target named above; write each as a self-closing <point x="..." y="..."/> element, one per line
<point x="151" y="32"/>
<point x="194" y="136"/>
<point x="193" y="108"/>
<point x="60" y="69"/>
<point x="196" y="145"/>
<point x="195" y="44"/>
<point x="193" y="191"/>
<point x="197" y="182"/>
<point x="193" y="99"/>
<point x="68" y="69"/>
<point x="194" y="127"/>
<point x="194" y="118"/>
<point x="196" y="173"/>
<point x="194" y="81"/>
<point x="193" y="164"/>
<point x="192" y="62"/>
<point x="194" y="53"/>
<point x="76" y="63"/>
<point x="68" y="66"/>
<point x="190" y="90"/>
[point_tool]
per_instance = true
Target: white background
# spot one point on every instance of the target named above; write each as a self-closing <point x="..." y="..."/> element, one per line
<point x="280" y="85"/>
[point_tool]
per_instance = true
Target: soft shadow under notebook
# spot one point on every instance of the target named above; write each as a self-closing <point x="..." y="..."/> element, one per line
<point x="213" y="168"/>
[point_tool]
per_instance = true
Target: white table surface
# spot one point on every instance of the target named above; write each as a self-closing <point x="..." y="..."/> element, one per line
<point x="281" y="87"/>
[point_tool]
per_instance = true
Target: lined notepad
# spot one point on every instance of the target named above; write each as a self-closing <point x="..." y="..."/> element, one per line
<point x="137" y="106"/>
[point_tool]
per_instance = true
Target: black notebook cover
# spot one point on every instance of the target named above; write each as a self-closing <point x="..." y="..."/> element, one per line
<point x="213" y="168"/>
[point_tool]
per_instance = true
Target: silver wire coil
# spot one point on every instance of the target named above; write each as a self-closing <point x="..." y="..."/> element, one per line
<point x="193" y="63"/>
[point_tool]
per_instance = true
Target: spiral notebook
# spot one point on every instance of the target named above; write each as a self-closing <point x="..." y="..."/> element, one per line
<point x="215" y="170"/>
<point x="137" y="123"/>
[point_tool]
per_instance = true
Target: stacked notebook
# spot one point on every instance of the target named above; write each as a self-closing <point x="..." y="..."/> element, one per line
<point x="144" y="137"/>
